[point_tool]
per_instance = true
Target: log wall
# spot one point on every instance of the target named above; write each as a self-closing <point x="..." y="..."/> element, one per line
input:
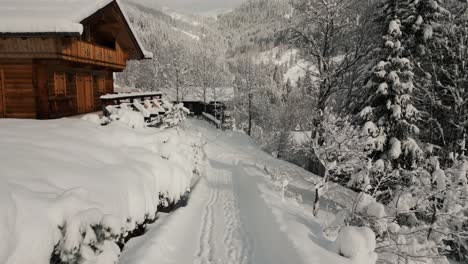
<point x="67" y="105"/>
<point x="18" y="94"/>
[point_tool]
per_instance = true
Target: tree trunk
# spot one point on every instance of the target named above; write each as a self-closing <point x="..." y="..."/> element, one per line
<point x="204" y="99"/>
<point x="249" y="132"/>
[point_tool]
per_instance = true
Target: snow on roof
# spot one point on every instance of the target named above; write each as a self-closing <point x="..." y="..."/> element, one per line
<point x="53" y="16"/>
<point x="46" y="16"/>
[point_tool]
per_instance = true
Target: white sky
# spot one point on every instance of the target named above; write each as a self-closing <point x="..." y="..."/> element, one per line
<point x="195" y="6"/>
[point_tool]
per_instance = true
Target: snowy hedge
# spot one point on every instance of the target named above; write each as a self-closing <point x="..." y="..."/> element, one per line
<point x="72" y="189"/>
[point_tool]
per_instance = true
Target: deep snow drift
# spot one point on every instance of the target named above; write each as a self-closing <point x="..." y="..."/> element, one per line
<point x="62" y="181"/>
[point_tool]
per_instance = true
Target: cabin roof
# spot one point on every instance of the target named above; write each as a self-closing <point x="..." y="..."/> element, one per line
<point x="55" y="17"/>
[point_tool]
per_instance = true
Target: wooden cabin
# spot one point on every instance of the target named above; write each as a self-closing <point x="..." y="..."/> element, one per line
<point x="58" y="57"/>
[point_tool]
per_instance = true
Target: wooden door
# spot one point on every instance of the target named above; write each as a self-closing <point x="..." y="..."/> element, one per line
<point x="2" y="93"/>
<point x="84" y="93"/>
<point x="80" y="93"/>
<point x="89" y="93"/>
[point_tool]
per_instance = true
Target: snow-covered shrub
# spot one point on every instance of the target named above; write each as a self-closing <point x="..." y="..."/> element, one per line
<point x="99" y="185"/>
<point x="402" y="245"/>
<point x="341" y="151"/>
<point x="429" y="217"/>
<point x="175" y="114"/>
<point x="339" y="148"/>
<point x="126" y="116"/>
<point x="93" y="118"/>
<point x="89" y="237"/>
<point x="357" y="243"/>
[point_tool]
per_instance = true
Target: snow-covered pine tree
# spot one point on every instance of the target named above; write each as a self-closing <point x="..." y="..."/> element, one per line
<point x="390" y="117"/>
<point x="419" y="191"/>
<point x="440" y="50"/>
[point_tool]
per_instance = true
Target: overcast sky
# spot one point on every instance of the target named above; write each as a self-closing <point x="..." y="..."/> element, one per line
<point x="196" y="6"/>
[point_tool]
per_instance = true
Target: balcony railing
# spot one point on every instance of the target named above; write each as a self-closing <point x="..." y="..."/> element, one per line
<point x="81" y="50"/>
<point x="64" y="48"/>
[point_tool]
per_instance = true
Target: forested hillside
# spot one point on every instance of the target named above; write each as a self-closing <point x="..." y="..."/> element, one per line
<point x="378" y="89"/>
<point x="255" y="25"/>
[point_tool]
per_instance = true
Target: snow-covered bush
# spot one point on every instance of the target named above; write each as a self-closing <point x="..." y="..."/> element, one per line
<point x="93" y="118"/>
<point x="95" y="185"/>
<point x="125" y="116"/>
<point x="175" y="114"/>
<point x="357" y="243"/>
<point x="342" y="152"/>
<point x="429" y="217"/>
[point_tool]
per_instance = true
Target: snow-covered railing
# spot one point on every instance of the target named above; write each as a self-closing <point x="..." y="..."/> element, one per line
<point x="130" y="95"/>
<point x="117" y="99"/>
<point x="147" y="103"/>
<point x="212" y="120"/>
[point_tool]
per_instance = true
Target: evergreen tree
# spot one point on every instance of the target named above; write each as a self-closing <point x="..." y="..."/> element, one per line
<point x="439" y="49"/>
<point x="390" y="117"/>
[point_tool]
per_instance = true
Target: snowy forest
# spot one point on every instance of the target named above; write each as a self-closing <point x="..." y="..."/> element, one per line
<point x="375" y="91"/>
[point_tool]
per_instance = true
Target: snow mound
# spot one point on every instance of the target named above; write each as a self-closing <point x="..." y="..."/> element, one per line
<point x="357" y="243"/>
<point x="77" y="187"/>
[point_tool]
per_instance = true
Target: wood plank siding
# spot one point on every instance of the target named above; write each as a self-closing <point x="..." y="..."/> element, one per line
<point x="81" y="51"/>
<point x="58" y="74"/>
<point x="82" y="93"/>
<point x="18" y="95"/>
<point x="70" y="49"/>
<point x="2" y="94"/>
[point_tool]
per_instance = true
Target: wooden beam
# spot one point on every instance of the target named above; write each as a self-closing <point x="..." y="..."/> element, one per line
<point x="3" y="88"/>
<point x="42" y="91"/>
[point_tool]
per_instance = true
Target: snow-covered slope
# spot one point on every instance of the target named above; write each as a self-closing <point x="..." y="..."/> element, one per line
<point x="60" y="180"/>
<point x="187" y="25"/>
<point x="294" y="66"/>
<point x="236" y="213"/>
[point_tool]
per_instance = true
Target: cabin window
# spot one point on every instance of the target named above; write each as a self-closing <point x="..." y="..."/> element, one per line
<point x="101" y="84"/>
<point x="60" y="84"/>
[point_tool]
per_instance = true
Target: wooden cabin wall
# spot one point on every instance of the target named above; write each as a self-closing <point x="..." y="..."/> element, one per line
<point x="67" y="104"/>
<point x="109" y="88"/>
<point x="17" y="91"/>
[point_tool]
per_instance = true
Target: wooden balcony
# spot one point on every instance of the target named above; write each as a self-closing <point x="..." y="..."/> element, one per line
<point x="86" y="52"/>
<point x="70" y="49"/>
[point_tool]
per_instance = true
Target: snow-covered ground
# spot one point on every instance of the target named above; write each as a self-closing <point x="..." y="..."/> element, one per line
<point x="236" y="213"/>
<point x="79" y="187"/>
<point x="62" y="180"/>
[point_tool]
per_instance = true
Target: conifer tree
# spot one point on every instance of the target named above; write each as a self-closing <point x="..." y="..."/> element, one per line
<point x="390" y="116"/>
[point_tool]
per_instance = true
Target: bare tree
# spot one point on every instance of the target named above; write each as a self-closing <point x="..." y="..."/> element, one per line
<point x="336" y="37"/>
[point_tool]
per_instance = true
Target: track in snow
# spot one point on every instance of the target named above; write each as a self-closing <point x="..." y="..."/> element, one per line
<point x="236" y="241"/>
<point x="237" y="247"/>
<point x="205" y="253"/>
<point x="226" y="221"/>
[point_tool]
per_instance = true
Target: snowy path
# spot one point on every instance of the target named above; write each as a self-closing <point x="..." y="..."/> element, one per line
<point x="227" y="221"/>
